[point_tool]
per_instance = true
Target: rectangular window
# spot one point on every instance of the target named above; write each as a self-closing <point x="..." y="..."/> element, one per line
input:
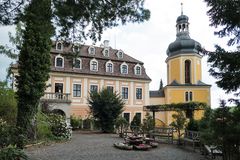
<point x="93" y="88"/>
<point x="126" y="116"/>
<point x="76" y="90"/>
<point x="138" y="93"/>
<point x="139" y="115"/>
<point x="110" y="89"/>
<point x="124" y="92"/>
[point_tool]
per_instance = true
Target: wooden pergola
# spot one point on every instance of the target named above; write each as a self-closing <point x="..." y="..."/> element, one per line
<point x="189" y="106"/>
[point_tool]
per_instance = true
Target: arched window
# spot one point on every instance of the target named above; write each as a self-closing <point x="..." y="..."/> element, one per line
<point x="187" y="71"/>
<point x="120" y="54"/>
<point x="138" y="70"/>
<point x="78" y="63"/>
<point x="124" y="68"/>
<point x="91" y="50"/>
<point x="188" y="96"/>
<point x="94" y="65"/>
<point x="59" y="46"/>
<point x="109" y="67"/>
<point x="59" y="61"/>
<point x="106" y="52"/>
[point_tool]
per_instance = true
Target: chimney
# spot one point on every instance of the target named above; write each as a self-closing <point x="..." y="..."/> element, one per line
<point x="106" y="43"/>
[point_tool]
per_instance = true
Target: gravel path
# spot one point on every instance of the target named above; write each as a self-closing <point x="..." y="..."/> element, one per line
<point x="100" y="147"/>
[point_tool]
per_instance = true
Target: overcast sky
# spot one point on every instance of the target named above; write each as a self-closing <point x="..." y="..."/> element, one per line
<point x="149" y="41"/>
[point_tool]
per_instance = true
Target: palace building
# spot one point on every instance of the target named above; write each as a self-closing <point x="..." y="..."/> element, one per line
<point x="73" y="76"/>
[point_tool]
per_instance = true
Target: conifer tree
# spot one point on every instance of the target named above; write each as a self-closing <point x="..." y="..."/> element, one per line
<point x="225" y="65"/>
<point x="34" y="64"/>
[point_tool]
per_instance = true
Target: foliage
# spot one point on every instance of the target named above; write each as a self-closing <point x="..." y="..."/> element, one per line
<point x="12" y="153"/>
<point x="43" y="126"/>
<point x="221" y="127"/>
<point x="193" y="125"/>
<point x="34" y="63"/>
<point x="59" y="126"/>
<point x="177" y="106"/>
<point x="136" y="122"/>
<point x="8" y="104"/>
<point x="76" y="122"/>
<point x="225" y="65"/>
<point x="105" y="107"/>
<point x="121" y="124"/>
<point x="87" y="123"/>
<point x="179" y="123"/>
<point x="148" y="123"/>
<point x="81" y="19"/>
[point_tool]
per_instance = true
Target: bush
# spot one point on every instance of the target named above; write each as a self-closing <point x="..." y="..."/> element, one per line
<point x="7" y="134"/>
<point x="12" y="153"/>
<point x="59" y="127"/>
<point x="76" y="122"/>
<point x="8" y="104"/>
<point x="43" y="126"/>
<point x="121" y="124"/>
<point x="136" y="122"/>
<point x="87" y="123"/>
<point x="193" y="125"/>
<point x="148" y="123"/>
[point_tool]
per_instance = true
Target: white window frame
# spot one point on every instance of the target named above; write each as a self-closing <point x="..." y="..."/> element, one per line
<point x="104" y="50"/>
<point x="135" y="69"/>
<point x="121" y="67"/>
<point x="59" y="56"/>
<point x="106" y="66"/>
<point x="136" y="93"/>
<point x="78" y="47"/>
<point x="59" y="42"/>
<point x="80" y="90"/>
<point x="89" y="50"/>
<point x="91" y="68"/>
<point x="80" y="63"/>
<point x="127" y="92"/>
<point x="93" y="85"/>
<point x="120" y="52"/>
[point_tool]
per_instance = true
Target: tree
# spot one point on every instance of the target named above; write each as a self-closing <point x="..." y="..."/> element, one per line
<point x="75" y="19"/>
<point x="121" y="124"/>
<point x="148" y="123"/>
<point x="161" y="85"/>
<point x="220" y="127"/>
<point x="34" y="64"/>
<point x="179" y="123"/>
<point x="105" y="107"/>
<point x="225" y="65"/>
<point x="8" y="104"/>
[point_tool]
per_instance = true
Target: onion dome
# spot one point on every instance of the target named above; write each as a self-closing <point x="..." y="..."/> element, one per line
<point x="183" y="43"/>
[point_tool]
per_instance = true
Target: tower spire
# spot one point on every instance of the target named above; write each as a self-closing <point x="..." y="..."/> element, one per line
<point x="181" y="8"/>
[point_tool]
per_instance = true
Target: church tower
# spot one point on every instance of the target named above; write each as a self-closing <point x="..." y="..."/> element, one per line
<point x="184" y="73"/>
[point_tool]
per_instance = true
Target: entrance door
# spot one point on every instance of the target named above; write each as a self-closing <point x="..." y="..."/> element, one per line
<point x="59" y="90"/>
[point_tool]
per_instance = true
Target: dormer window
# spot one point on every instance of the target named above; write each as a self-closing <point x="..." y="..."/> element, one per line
<point x="78" y="63"/>
<point x="76" y="48"/>
<point x="59" y="46"/>
<point x="91" y="50"/>
<point x="124" y="68"/>
<point x="138" y="70"/>
<point x="109" y="67"/>
<point x="106" y="52"/>
<point x="120" y="54"/>
<point x="59" y="61"/>
<point x="94" y="65"/>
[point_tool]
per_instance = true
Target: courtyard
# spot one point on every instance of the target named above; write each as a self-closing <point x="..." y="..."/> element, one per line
<point x="90" y="146"/>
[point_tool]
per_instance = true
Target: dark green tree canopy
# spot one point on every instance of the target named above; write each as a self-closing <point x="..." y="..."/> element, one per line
<point x="105" y="107"/>
<point x="79" y="19"/>
<point x="225" y="13"/>
<point x="225" y="65"/>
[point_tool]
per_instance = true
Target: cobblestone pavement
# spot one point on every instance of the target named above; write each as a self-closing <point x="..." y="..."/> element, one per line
<point x="100" y="147"/>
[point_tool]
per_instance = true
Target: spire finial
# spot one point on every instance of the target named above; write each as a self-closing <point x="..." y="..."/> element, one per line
<point x="181" y="8"/>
